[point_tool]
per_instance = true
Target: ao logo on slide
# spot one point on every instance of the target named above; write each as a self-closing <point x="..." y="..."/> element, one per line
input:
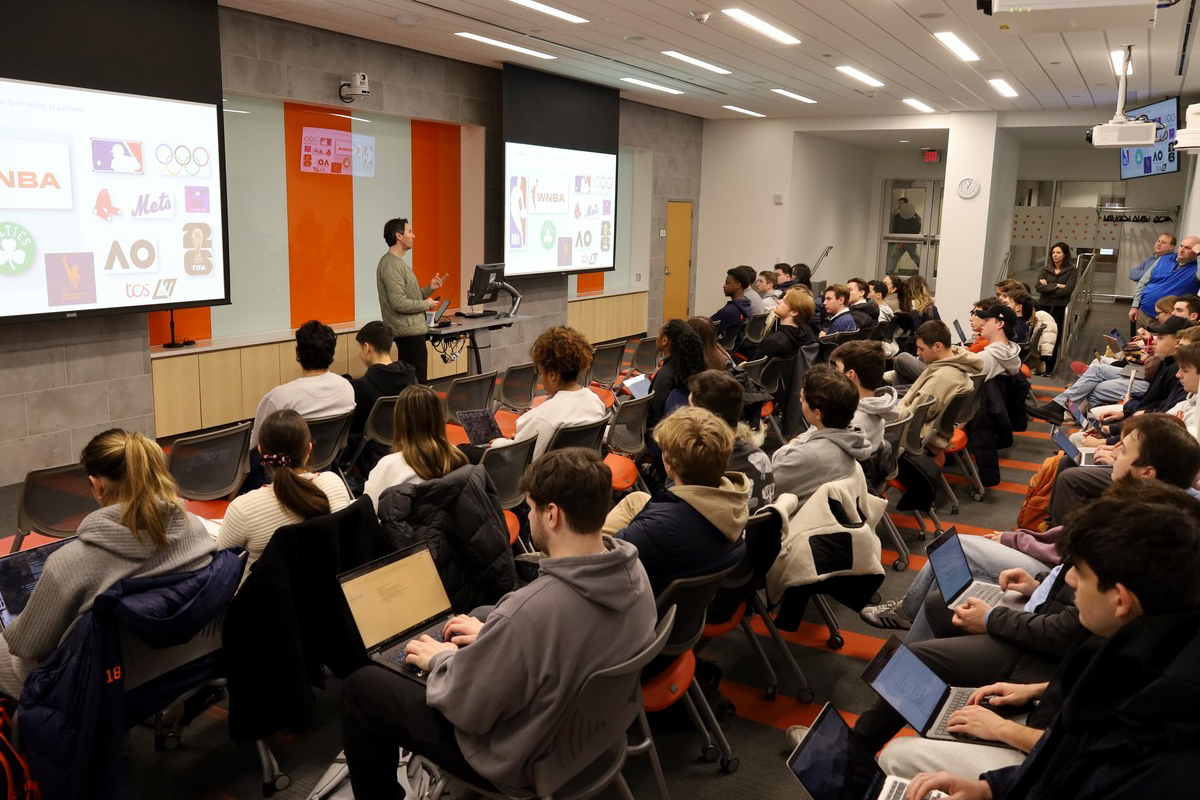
<point x="17" y="249"/>
<point x="141" y="254"/>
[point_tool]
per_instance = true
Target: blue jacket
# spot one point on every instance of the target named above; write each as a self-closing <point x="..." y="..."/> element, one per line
<point x="733" y="313"/>
<point x="842" y="323"/>
<point x="1166" y="278"/>
<point x="74" y="709"/>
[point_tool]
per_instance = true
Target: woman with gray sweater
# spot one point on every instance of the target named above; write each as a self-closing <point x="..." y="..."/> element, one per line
<point x="141" y="529"/>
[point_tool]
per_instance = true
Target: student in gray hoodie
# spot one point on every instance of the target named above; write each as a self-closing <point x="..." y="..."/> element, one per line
<point x="498" y="691"/>
<point x="863" y="363"/>
<point x="829" y="450"/>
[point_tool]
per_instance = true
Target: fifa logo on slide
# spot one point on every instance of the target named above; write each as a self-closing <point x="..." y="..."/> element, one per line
<point x="35" y="175"/>
<point x="197" y="242"/>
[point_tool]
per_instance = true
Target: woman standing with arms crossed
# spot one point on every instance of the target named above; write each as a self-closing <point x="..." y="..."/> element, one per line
<point x="1054" y="286"/>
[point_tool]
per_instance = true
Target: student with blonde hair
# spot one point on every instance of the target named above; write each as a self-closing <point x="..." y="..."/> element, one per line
<point x="420" y="449"/>
<point x="140" y="529"/>
<point x="295" y="493"/>
<point x="795" y="311"/>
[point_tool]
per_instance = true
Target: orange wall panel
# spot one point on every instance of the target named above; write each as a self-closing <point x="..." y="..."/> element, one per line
<point x="320" y="214"/>
<point x="190" y="323"/>
<point x="589" y="282"/>
<point x="437" y="205"/>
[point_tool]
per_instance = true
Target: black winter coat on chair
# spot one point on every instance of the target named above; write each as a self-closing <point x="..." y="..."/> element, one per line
<point x="459" y="518"/>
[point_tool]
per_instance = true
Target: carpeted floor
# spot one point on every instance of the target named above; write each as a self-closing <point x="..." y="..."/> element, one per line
<point x="208" y="767"/>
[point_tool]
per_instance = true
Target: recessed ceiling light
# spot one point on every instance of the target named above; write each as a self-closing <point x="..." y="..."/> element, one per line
<point x="497" y="43"/>
<point x="859" y="75"/>
<point x="234" y="111"/>
<point x="912" y="102"/>
<point x="794" y="96"/>
<point x="545" y="9"/>
<point x="634" y="38"/>
<point x="1118" y="58"/>
<point x="762" y="26"/>
<point x="744" y="111"/>
<point x="931" y="15"/>
<point x="695" y="62"/>
<point x="956" y="45"/>
<point x="1055" y="63"/>
<point x="1001" y="86"/>
<point x="903" y="141"/>
<point x="649" y="85"/>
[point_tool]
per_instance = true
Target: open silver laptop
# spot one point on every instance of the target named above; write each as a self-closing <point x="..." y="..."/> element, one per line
<point x="953" y="573"/>
<point x="638" y="385"/>
<point x="395" y="599"/>
<point x="831" y="766"/>
<point x="915" y="691"/>
<point x="1083" y="456"/>
<point x="19" y="573"/>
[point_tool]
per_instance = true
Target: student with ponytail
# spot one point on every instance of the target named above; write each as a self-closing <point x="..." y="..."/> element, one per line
<point x="420" y="449"/>
<point x="140" y="529"/>
<point x="294" y="494"/>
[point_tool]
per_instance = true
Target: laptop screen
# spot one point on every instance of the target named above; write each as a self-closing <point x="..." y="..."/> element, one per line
<point x="480" y="426"/>
<point x="1118" y="338"/>
<point x="829" y="767"/>
<point x="910" y="687"/>
<point x="19" y="573"/>
<point x="962" y="337"/>
<point x="398" y="595"/>
<point x="949" y="564"/>
<point x="1063" y="441"/>
<point x="1076" y="414"/>
<point x="638" y="386"/>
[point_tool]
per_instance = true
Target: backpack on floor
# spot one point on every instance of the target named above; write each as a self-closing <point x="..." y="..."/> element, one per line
<point x="17" y="781"/>
<point x="1035" y="511"/>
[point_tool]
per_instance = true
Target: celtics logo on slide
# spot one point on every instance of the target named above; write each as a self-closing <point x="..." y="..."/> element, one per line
<point x="549" y="235"/>
<point x="16" y="249"/>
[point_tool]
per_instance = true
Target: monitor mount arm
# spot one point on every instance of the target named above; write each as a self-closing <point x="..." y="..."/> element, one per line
<point x="511" y="292"/>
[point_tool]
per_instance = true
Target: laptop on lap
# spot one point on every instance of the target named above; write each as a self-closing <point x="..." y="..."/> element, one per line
<point x="480" y="426"/>
<point x="909" y="686"/>
<point x="962" y="337"/>
<point x="396" y="599"/>
<point x="830" y="766"/>
<point x="953" y="573"/>
<point x="19" y="573"/>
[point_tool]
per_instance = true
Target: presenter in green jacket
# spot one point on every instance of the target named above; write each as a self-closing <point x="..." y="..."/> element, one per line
<point x="402" y="300"/>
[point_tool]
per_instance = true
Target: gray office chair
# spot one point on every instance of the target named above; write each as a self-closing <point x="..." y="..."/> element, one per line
<point x="756" y="328"/>
<point x="211" y="465"/>
<point x="607" y="360"/>
<point x="893" y="434"/>
<point x="470" y="393"/>
<point x="329" y="438"/>
<point x="517" y="387"/>
<point x="913" y="444"/>
<point x="379" y="428"/>
<point x="645" y="356"/>
<point x="53" y="502"/>
<point x="588" y="435"/>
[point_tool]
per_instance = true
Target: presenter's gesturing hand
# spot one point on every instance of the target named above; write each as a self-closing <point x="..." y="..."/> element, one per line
<point x="438" y="281"/>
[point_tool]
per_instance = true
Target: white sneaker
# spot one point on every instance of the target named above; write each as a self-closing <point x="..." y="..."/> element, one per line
<point x="889" y="614"/>
<point x="795" y="735"/>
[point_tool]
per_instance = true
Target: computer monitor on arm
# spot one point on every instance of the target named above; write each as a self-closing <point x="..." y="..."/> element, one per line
<point x="486" y="282"/>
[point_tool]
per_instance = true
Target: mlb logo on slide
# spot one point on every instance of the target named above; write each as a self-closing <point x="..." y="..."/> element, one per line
<point x="35" y="175"/>
<point x="115" y="155"/>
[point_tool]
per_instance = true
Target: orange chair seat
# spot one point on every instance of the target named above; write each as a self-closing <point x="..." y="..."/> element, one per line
<point x="507" y="421"/>
<point x="514" y="527"/>
<point x="768" y="408"/>
<point x="958" y="441"/>
<point x="209" y="509"/>
<point x="715" y="629"/>
<point x="456" y="434"/>
<point x="624" y="471"/>
<point x="665" y="688"/>
<point x="606" y="396"/>
<point x="1026" y="371"/>
<point x="897" y="485"/>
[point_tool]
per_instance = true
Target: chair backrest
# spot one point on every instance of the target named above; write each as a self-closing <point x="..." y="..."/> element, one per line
<point x="645" y="355"/>
<point x="691" y="598"/>
<point x="754" y="370"/>
<point x="329" y="437"/>
<point x="518" y="386"/>
<point x="913" y="444"/>
<point x="887" y="331"/>
<point x="777" y="372"/>
<point x="55" y="500"/>
<point x="893" y="434"/>
<point x="1035" y="340"/>
<point x="581" y="434"/>
<point x="470" y="393"/>
<point x="211" y="465"/>
<point x="141" y="663"/>
<point x="627" y="433"/>
<point x="756" y="327"/>
<point x="607" y="361"/>
<point x="818" y="289"/>
<point x="505" y="464"/>
<point x="955" y="411"/>
<point x="607" y="704"/>
<point x="730" y="335"/>
<point x="764" y="536"/>
<point x="381" y="422"/>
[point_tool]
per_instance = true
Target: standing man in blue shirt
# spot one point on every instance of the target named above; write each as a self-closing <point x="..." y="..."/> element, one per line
<point x="1173" y="274"/>
<point x="1164" y="244"/>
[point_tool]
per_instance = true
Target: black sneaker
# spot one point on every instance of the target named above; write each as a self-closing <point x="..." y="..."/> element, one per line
<point x="889" y="614"/>
<point x="1051" y="412"/>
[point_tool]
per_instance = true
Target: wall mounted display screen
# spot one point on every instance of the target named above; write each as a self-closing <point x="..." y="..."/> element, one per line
<point x="1138" y="162"/>
<point x="560" y="210"/>
<point x="107" y="202"/>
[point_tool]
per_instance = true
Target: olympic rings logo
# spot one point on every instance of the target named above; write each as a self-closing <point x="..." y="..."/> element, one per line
<point x="182" y="159"/>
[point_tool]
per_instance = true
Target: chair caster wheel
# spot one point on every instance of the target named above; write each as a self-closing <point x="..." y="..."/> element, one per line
<point x="977" y="497"/>
<point x="710" y="753"/>
<point x="954" y="509"/>
<point x="836" y="642"/>
<point x="167" y="742"/>
<point x="899" y="565"/>
<point x="806" y="695"/>
<point x="920" y="536"/>
<point x="281" y="782"/>
<point x="769" y="693"/>
<point x="730" y="765"/>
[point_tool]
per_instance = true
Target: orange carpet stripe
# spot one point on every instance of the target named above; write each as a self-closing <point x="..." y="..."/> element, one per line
<point x="1047" y="387"/>
<point x="907" y="522"/>
<point x="1032" y="435"/>
<point x="817" y="636"/>
<point x="1003" y="486"/>
<point x="1030" y="466"/>
<point x="784" y="712"/>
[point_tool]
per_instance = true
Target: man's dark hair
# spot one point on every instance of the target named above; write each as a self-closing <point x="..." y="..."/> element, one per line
<point x="985" y="303"/>
<point x="1009" y="283"/>
<point x="786" y="269"/>
<point x="830" y="392"/>
<point x="1165" y="444"/>
<point x="1193" y="302"/>
<point x="767" y="276"/>
<point x="577" y="481"/>
<point x="879" y="286"/>
<point x="840" y="291"/>
<point x="393" y="229"/>
<point x="860" y="283"/>
<point x="377" y="335"/>
<point x="1188" y="356"/>
<point x="747" y="273"/>
<point x="738" y="274"/>
<point x="1024" y="301"/>
<point x="719" y="392"/>
<point x="1144" y="535"/>
<point x="865" y="358"/>
<point x="934" y="332"/>
<point x="802" y="274"/>
<point x="315" y="345"/>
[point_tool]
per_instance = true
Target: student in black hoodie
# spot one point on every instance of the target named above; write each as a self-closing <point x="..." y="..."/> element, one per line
<point x="795" y="312"/>
<point x="864" y="310"/>
<point x="383" y="378"/>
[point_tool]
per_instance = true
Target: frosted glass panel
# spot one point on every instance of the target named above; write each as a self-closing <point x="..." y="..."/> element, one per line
<point x="257" y="197"/>
<point x="377" y="199"/>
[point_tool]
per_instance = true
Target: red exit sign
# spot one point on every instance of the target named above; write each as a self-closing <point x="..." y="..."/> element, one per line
<point x="931" y="156"/>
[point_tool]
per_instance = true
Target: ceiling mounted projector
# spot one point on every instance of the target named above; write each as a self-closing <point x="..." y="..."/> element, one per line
<point x="1189" y="138"/>
<point x="1121" y="131"/>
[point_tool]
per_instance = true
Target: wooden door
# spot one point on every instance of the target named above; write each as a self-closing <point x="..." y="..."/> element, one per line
<point x="679" y="260"/>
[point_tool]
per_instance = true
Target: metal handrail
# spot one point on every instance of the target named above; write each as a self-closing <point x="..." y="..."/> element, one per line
<point x="828" y="249"/>
<point x="1076" y="313"/>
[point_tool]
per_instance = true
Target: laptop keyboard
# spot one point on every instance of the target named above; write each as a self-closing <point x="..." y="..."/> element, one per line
<point x="435" y="634"/>
<point x="896" y="792"/>
<point x="957" y="701"/>
<point x="988" y="593"/>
